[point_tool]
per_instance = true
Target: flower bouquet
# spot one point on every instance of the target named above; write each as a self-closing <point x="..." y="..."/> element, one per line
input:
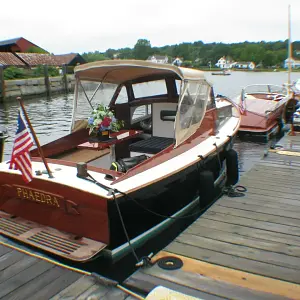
<point x="101" y="122"/>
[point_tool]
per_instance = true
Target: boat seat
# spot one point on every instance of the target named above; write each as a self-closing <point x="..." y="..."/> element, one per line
<point x="152" y="145"/>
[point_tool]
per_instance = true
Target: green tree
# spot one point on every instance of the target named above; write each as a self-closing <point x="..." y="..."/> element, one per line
<point x="34" y="49"/>
<point x="270" y="59"/>
<point x="142" y="49"/>
<point x="13" y="73"/>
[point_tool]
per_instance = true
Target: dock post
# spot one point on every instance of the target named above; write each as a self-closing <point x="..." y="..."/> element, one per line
<point x="2" y="86"/>
<point x="65" y="78"/>
<point x="47" y="81"/>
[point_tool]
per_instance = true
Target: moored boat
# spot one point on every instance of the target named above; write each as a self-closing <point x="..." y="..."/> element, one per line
<point x="108" y="194"/>
<point x="263" y="109"/>
<point x="224" y="72"/>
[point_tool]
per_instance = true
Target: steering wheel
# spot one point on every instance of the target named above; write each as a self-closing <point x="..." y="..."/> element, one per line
<point x="146" y="124"/>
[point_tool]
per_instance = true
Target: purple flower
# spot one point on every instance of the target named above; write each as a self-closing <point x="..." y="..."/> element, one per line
<point x="91" y="121"/>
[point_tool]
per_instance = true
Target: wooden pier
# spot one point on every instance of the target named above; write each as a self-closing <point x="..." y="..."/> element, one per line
<point x="241" y="247"/>
<point x="34" y="276"/>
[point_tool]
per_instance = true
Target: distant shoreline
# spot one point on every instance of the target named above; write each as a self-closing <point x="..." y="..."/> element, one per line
<point x="247" y="70"/>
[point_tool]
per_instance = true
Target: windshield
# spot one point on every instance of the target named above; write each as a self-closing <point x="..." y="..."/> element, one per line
<point x="265" y="88"/>
<point x="89" y="95"/>
<point x="191" y="110"/>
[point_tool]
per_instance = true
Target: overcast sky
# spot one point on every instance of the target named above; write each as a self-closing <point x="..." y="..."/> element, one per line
<point x="63" y="26"/>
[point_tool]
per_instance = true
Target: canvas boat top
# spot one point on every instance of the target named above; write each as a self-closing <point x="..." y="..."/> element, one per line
<point x="119" y="71"/>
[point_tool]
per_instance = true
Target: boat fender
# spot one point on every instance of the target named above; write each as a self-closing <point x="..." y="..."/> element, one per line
<point x="232" y="167"/>
<point x="280" y="125"/>
<point x="206" y="187"/>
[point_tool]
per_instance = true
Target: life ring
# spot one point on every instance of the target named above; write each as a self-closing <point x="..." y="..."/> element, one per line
<point x="206" y="187"/>
<point x="232" y="166"/>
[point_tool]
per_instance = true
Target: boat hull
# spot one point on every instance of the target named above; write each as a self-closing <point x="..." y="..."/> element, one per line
<point x="89" y="216"/>
<point x="148" y="206"/>
<point x="256" y="125"/>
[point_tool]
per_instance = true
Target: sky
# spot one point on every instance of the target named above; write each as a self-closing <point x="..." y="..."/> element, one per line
<point x="63" y="26"/>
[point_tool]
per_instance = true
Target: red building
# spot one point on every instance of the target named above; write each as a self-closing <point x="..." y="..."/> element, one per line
<point x="17" y="45"/>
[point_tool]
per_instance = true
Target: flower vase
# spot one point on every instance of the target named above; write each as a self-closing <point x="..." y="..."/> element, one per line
<point x="100" y="136"/>
<point x="103" y="135"/>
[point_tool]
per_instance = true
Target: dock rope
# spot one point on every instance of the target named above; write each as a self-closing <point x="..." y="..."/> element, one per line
<point x="98" y="277"/>
<point x="235" y="191"/>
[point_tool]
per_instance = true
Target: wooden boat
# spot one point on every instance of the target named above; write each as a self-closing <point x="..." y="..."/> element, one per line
<point x="174" y="152"/>
<point x="263" y="108"/>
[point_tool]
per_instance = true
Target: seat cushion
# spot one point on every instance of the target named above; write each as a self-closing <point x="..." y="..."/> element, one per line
<point x="152" y="145"/>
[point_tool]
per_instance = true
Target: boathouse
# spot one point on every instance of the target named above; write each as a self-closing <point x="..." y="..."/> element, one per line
<point x="19" y="45"/>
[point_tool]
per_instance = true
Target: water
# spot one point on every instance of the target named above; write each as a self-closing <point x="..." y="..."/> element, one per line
<point x="51" y="118"/>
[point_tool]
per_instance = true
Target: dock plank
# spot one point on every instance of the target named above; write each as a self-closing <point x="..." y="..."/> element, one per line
<point x="264" y="192"/>
<point x="249" y="231"/>
<point x="76" y="288"/>
<point x="273" y="227"/>
<point x="289" y="191"/>
<point x="239" y="250"/>
<point x="4" y="250"/>
<point x="23" y="277"/>
<point x="288" y="205"/>
<point x="235" y="277"/>
<point x="9" y="259"/>
<point x="57" y="285"/>
<point x="24" y="263"/>
<point x="235" y="262"/>
<point x="208" y="285"/>
<point x="27" y="290"/>
<point x="252" y="212"/>
<point x="145" y="283"/>
<point x="96" y="291"/>
<point x="244" y="240"/>
<point x="25" y="274"/>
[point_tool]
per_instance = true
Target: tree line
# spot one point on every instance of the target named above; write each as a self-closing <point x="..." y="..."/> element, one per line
<point x="199" y="54"/>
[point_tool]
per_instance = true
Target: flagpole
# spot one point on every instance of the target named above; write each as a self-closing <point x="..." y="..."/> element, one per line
<point x="289" y="48"/>
<point x="35" y="138"/>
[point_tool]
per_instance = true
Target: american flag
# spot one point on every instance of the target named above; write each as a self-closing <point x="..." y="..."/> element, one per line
<point x="20" y="158"/>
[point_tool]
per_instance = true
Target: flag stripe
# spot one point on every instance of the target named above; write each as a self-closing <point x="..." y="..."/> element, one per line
<point x="20" y="159"/>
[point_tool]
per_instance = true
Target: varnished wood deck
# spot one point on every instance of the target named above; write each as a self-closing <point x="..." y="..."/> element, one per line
<point x="26" y="277"/>
<point x="244" y="247"/>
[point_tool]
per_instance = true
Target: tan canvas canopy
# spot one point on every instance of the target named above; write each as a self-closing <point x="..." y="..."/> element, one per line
<point x="119" y="71"/>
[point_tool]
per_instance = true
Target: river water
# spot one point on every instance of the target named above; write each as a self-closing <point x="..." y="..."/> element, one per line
<point x="51" y="118"/>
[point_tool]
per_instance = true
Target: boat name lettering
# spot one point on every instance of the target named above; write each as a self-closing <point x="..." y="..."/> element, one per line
<point x="37" y="196"/>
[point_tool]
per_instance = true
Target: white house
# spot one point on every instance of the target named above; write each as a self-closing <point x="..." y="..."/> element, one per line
<point x="244" y="65"/>
<point x="158" y="59"/>
<point x="177" y="62"/>
<point x="295" y="64"/>
<point x="224" y="63"/>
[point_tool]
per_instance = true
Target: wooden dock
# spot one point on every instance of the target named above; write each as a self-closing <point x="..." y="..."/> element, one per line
<point x="241" y="247"/>
<point x="24" y="276"/>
